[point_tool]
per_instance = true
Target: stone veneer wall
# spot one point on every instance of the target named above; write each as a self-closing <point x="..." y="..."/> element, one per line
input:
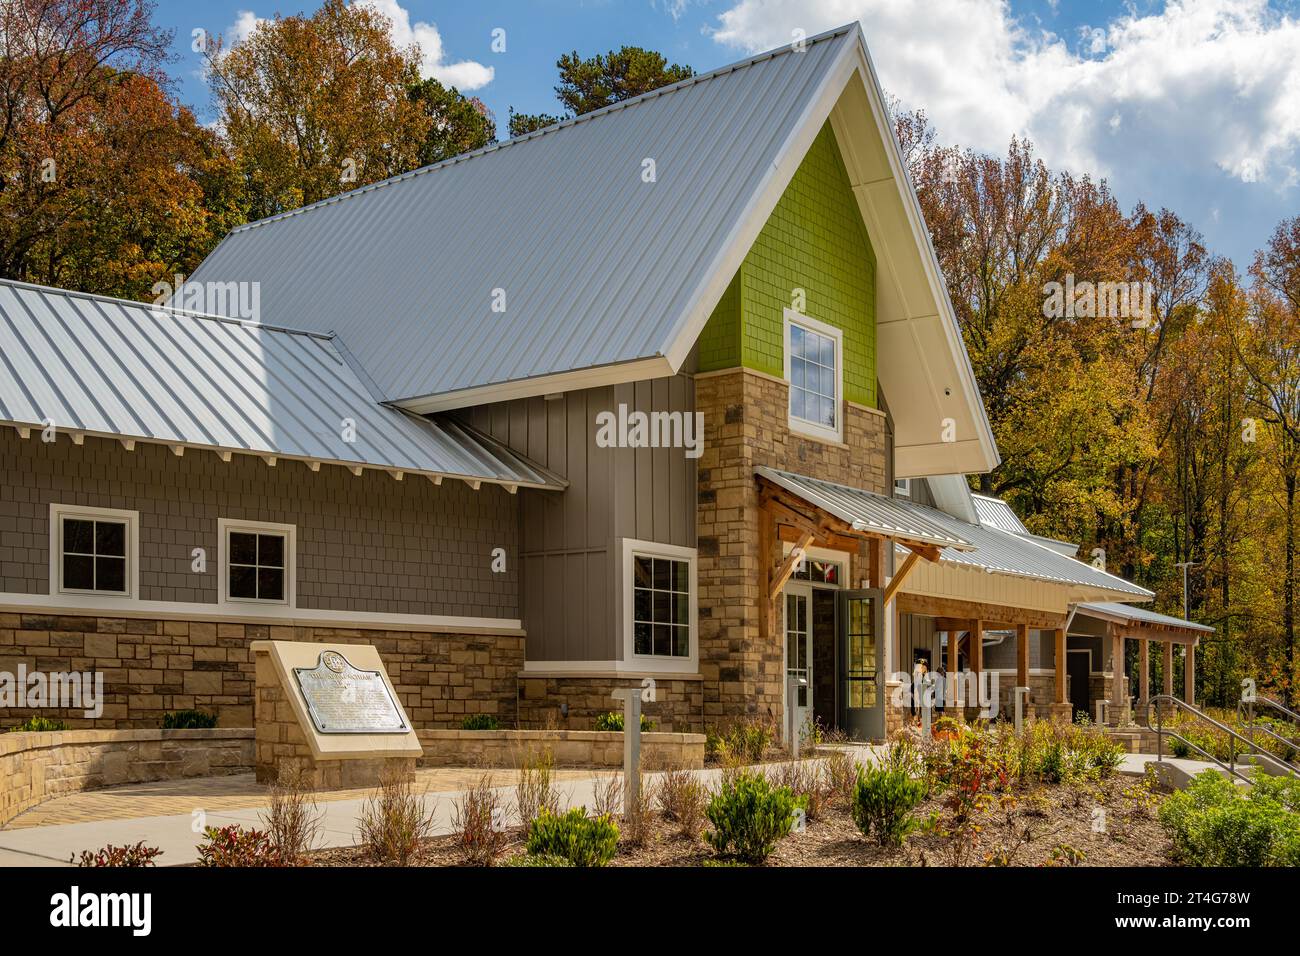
<point x="154" y="666"/>
<point x="678" y="706"/>
<point x="746" y="426"/>
<point x="35" y="767"/>
<point x="570" y="748"/>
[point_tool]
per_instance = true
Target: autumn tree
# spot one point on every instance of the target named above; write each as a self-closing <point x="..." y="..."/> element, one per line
<point x="601" y="80"/>
<point x="317" y="105"/>
<point x="107" y="183"/>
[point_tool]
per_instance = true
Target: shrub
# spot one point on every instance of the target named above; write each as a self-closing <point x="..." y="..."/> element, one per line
<point x="527" y="860"/>
<point x="236" y="846"/>
<point x="883" y="804"/>
<point x="808" y="783"/>
<point x="394" y="821"/>
<point x="38" y="725"/>
<point x="749" y="816"/>
<point x="188" y="720"/>
<point x="475" y="819"/>
<point x="293" y="819"/>
<point x="613" y="720"/>
<point x="745" y="741"/>
<point x="1213" y="823"/>
<point x="133" y="856"/>
<point x="683" y="798"/>
<point x="842" y="776"/>
<point x="574" y="837"/>
<point x="607" y="794"/>
<point x="535" y="792"/>
<point x="479" y="722"/>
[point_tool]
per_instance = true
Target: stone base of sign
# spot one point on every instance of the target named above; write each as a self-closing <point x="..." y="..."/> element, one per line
<point x="288" y="743"/>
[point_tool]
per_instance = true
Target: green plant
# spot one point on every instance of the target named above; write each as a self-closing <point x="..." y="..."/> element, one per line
<point x="575" y="837"/>
<point x="1213" y="823"/>
<point x="745" y="741"/>
<point x="133" y="856"/>
<point x="394" y="821"/>
<point x="613" y="721"/>
<point x="525" y="859"/>
<point x="188" y="720"/>
<point x="236" y="846"/>
<point x="883" y="804"/>
<point x="749" y="816"/>
<point x="479" y="722"/>
<point x="38" y="725"/>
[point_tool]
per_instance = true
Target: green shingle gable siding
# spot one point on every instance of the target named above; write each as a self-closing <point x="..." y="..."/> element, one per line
<point x="814" y="240"/>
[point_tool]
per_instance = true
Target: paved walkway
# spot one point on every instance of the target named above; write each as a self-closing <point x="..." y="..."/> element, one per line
<point x="171" y="815"/>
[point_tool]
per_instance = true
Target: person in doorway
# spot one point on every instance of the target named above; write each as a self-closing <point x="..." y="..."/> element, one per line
<point x="919" y="670"/>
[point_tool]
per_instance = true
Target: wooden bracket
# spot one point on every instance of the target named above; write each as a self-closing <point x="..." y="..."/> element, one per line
<point x="788" y="565"/>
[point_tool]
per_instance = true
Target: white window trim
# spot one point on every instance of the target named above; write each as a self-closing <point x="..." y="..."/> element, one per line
<point x="227" y="525"/>
<point x="77" y="597"/>
<point x="649" y="662"/>
<point x="812" y="429"/>
<point x="902" y="487"/>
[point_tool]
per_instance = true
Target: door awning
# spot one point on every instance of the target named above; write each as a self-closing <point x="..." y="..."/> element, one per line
<point x="866" y="511"/>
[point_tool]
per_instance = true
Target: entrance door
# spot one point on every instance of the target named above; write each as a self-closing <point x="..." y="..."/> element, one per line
<point x="1078" y="666"/>
<point x="860" y="619"/>
<point x="798" y="651"/>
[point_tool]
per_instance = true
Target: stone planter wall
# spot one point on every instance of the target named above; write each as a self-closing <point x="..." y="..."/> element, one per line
<point x="35" y="767"/>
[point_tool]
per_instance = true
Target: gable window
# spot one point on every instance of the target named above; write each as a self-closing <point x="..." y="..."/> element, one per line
<point x="93" y="551"/>
<point x="257" y="562"/>
<point x="814" y="367"/>
<point x="660" y="597"/>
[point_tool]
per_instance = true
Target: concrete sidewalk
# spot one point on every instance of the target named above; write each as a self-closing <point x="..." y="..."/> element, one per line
<point x="177" y="835"/>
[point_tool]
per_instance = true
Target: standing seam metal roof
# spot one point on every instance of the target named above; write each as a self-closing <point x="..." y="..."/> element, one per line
<point x="561" y="221"/>
<point x="1141" y="615"/>
<point x="128" y="370"/>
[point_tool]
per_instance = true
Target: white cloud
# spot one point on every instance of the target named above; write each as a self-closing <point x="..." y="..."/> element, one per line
<point x="464" y="74"/>
<point x="246" y="22"/>
<point x="1199" y="84"/>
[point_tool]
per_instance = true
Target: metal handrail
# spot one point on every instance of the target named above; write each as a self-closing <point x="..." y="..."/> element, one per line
<point x="1295" y="718"/>
<point x="1233" y="737"/>
<point x="1246" y="711"/>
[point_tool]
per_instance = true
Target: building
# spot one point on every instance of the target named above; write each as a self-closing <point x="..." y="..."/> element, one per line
<point x="669" y="391"/>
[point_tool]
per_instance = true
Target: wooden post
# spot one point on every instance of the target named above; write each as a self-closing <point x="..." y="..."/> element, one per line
<point x="1022" y="655"/>
<point x="977" y="646"/>
<point x="1189" y="676"/>
<point x="953" y="662"/>
<point x="1061" y="697"/>
<point x="1118" y="678"/>
<point x="1169" y="667"/>
<point x="1144" y="675"/>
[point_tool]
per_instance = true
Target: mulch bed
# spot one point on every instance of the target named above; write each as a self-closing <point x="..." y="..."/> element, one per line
<point x="1023" y="831"/>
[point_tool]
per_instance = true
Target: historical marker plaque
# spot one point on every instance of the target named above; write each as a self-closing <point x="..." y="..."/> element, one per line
<point x="341" y="699"/>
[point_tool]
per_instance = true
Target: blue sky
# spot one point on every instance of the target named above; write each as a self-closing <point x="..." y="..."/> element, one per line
<point x="1190" y="104"/>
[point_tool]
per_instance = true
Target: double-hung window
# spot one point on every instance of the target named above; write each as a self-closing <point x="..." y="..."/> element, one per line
<point x="814" y="367"/>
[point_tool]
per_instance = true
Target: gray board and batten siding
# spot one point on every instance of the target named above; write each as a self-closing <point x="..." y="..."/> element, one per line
<point x="571" y="543"/>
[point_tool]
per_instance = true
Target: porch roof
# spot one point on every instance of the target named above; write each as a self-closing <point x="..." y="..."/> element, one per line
<point x="867" y="511"/>
<point x="1138" y="616"/>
